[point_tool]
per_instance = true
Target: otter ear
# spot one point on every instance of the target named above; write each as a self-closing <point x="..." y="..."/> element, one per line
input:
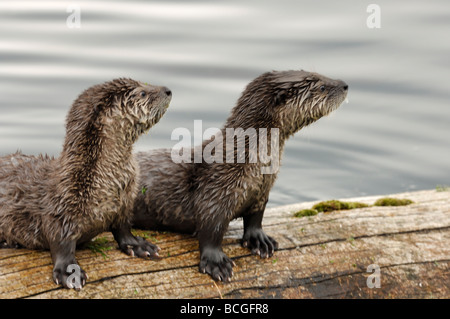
<point x="280" y="98"/>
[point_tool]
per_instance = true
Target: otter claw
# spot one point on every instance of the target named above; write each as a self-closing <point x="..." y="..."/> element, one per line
<point x="215" y="263"/>
<point x="256" y="252"/>
<point x="259" y="243"/>
<point x="138" y="246"/>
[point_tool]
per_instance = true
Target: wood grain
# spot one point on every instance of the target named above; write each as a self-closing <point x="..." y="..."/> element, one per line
<point x="323" y="256"/>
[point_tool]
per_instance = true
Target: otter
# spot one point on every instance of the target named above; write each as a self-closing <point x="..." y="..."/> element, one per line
<point x="60" y="203"/>
<point x="203" y="197"/>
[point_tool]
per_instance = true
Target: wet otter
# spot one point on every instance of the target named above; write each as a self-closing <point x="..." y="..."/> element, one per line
<point x="59" y="203"/>
<point x="204" y="197"/>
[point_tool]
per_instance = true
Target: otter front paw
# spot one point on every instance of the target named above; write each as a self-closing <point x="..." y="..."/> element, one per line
<point x="69" y="275"/>
<point x="259" y="243"/>
<point x="215" y="263"/>
<point x="138" y="246"/>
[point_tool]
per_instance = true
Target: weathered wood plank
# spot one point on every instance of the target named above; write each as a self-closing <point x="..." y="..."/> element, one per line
<point x="324" y="256"/>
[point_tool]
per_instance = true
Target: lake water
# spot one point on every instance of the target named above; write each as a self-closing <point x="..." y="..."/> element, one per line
<point x="392" y="136"/>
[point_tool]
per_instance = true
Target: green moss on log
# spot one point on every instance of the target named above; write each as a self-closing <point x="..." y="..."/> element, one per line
<point x="332" y="205"/>
<point x="389" y="201"/>
<point x="306" y="212"/>
<point x="100" y="245"/>
<point x="337" y="205"/>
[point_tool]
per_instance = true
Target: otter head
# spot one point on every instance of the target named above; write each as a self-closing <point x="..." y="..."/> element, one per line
<point x="145" y="104"/>
<point x="304" y="97"/>
<point x="121" y="108"/>
<point x="289" y="100"/>
<point x="135" y="106"/>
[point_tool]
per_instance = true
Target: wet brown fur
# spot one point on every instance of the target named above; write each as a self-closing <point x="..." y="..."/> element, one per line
<point x="203" y="198"/>
<point x="91" y="186"/>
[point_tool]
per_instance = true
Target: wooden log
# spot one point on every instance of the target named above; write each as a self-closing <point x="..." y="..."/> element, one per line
<point x="323" y="256"/>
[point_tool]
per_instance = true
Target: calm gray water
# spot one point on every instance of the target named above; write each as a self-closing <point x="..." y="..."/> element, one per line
<point x="392" y="136"/>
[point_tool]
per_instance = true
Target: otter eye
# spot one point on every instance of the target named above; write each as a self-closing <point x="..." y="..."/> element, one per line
<point x="322" y="88"/>
<point x="143" y="94"/>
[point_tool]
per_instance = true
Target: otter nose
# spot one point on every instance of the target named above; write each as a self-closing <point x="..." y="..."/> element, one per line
<point x="167" y="91"/>
<point x="343" y="85"/>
